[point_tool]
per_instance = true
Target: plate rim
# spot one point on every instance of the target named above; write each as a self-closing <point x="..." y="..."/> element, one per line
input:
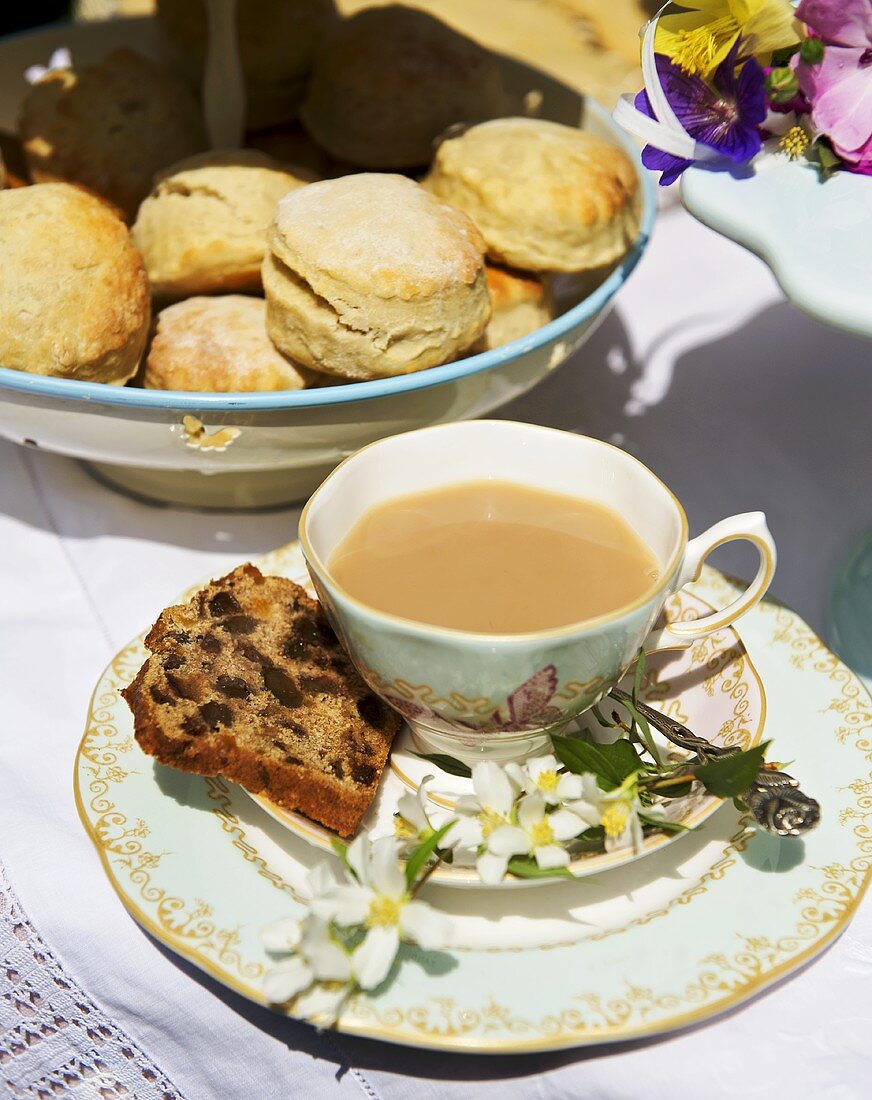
<point x="484" y="1044"/>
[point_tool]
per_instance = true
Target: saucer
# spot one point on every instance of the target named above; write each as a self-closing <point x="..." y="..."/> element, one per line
<point x="692" y="930"/>
<point x="712" y="686"/>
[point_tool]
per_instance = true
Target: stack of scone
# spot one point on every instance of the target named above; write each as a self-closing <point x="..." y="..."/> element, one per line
<point x="266" y="275"/>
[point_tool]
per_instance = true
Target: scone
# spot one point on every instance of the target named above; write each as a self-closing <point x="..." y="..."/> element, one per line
<point x="109" y="127"/>
<point x="369" y="276"/>
<point x="216" y="345"/>
<point x="546" y="197"/>
<point x="520" y="302"/>
<point x="247" y="680"/>
<point x="202" y="230"/>
<point x="278" y="40"/>
<point x="74" y="298"/>
<point x="390" y="80"/>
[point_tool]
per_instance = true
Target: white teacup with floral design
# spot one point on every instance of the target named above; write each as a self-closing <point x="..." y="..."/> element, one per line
<point x="498" y="696"/>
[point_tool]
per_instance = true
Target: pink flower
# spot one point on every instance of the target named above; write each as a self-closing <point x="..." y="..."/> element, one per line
<point x="839" y="86"/>
<point x="839" y="22"/>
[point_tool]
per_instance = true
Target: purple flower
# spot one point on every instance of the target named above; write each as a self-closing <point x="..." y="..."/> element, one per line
<point x="839" y="86"/>
<point x="723" y="115"/>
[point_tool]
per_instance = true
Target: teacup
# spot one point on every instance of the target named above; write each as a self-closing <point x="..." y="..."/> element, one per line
<point x="498" y="696"/>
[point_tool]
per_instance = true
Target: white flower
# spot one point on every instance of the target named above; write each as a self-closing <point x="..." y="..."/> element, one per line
<point x="538" y="833"/>
<point x="617" y="811"/>
<point x="481" y="814"/>
<point x="542" y="774"/>
<point x="379" y="901"/>
<point x="317" y="957"/>
<point x="487" y="821"/>
<point x="412" y="824"/>
<point x="60" y="59"/>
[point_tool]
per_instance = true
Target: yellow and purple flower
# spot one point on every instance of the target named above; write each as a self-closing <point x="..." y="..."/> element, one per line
<point x="724" y="115"/>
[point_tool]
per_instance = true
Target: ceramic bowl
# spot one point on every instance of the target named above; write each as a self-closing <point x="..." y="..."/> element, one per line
<point x="175" y="446"/>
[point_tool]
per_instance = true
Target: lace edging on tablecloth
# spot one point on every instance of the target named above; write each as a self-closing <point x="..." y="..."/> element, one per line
<point x="54" y="1040"/>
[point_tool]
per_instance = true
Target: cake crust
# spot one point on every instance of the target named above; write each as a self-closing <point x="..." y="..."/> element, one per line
<point x="247" y="680"/>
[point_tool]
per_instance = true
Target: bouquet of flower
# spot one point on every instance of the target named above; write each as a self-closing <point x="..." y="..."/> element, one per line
<point x="724" y="76"/>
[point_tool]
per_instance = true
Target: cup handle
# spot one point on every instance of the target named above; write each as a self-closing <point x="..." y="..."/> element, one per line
<point x="750" y="526"/>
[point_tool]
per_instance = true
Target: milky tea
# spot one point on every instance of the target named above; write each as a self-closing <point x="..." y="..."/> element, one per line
<point x="493" y="557"/>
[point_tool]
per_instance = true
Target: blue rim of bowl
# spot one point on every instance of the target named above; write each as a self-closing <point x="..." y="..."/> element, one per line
<point x="99" y="393"/>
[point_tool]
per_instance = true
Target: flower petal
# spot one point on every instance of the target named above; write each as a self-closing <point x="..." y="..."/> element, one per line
<point x="531" y="810"/>
<point x="565" y="824"/>
<point x="281" y="935"/>
<point x="841" y="22"/>
<point x="372" y="960"/>
<point x="319" y="880"/>
<point x="518" y="776"/>
<point x="508" y="840"/>
<point x="493" y="787"/>
<point x="384" y="869"/>
<point x="357" y="855"/>
<point x="286" y="979"/>
<point x="568" y="786"/>
<point x="491" y="869"/>
<point x="464" y="833"/>
<point x="327" y="959"/>
<point x="539" y="764"/>
<point x="321" y="1000"/>
<point x="841" y="97"/>
<point x="551" y="855"/>
<point x="424" y="925"/>
<point x="468" y="804"/>
<point x="347" y="904"/>
<point x="409" y="807"/>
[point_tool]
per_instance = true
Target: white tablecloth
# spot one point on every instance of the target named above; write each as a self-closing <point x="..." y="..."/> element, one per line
<point x="735" y="399"/>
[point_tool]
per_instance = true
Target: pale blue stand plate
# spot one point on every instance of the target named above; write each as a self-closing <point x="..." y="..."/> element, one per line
<point x="815" y="235"/>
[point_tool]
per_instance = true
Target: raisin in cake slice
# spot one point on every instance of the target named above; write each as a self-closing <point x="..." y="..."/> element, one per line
<point x="247" y="680"/>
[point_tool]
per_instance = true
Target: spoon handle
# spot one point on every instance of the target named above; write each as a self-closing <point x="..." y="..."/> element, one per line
<point x="774" y="798"/>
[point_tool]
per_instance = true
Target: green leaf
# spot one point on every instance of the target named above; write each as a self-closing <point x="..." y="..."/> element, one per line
<point x="342" y="851"/>
<point x="419" y="856"/>
<point x="731" y="776"/>
<point x="673" y="790"/>
<point x="639" y="675"/>
<point x="526" y="867"/>
<point x="446" y="763"/>
<point x="611" y="764"/>
<point x="782" y="56"/>
<point x="601" y="718"/>
<point x="644" y="731"/>
<point x="827" y="158"/>
<point x="665" y="826"/>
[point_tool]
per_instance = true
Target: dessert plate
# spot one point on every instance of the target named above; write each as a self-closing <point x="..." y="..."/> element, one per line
<point x="712" y="686"/>
<point x="690" y="931"/>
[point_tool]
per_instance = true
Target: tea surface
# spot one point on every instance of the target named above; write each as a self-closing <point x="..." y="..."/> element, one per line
<point x="493" y="557"/>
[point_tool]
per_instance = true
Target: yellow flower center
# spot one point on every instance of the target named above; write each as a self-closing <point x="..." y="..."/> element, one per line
<point x="489" y="820"/>
<point x="404" y="829"/>
<point x="383" y="912"/>
<point x="541" y="833"/>
<point x="547" y="780"/>
<point x="698" y="49"/>
<point x="794" y="142"/>
<point x="614" y="818"/>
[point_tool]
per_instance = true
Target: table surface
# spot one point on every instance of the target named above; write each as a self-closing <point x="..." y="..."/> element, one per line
<point x="735" y="399"/>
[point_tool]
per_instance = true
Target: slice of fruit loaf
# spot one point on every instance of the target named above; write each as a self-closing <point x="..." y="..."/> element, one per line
<point x="247" y="680"/>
